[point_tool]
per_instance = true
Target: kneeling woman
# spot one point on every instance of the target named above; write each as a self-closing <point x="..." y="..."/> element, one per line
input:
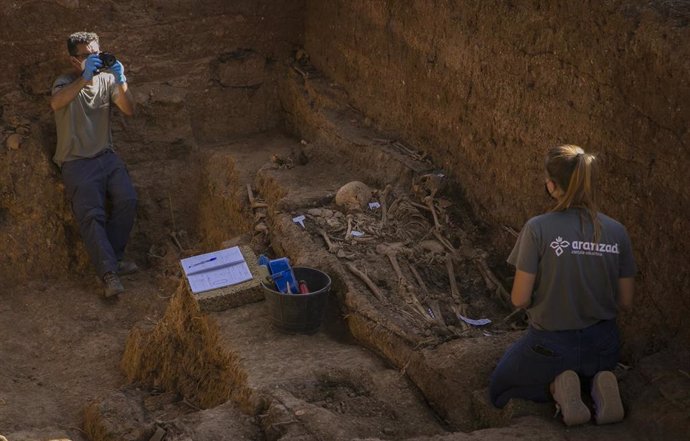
<point x="574" y="272"/>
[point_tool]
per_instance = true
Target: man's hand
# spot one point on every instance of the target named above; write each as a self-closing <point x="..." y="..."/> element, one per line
<point x="92" y="64"/>
<point x="119" y="71"/>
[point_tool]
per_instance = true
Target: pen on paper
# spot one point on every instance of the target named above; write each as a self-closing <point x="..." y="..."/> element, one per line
<point x="217" y="267"/>
<point x="202" y="262"/>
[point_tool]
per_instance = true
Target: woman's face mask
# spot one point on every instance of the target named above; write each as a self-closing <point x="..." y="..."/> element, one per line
<point x="550" y="192"/>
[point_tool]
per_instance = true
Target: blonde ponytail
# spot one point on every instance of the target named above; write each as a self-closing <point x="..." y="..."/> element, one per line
<point x="575" y="173"/>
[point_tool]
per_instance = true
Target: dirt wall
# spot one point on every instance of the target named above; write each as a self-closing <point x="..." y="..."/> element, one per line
<point x="486" y="86"/>
<point x="201" y="71"/>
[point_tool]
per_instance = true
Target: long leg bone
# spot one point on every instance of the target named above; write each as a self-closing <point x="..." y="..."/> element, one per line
<point x="331" y="248"/>
<point x="406" y="291"/>
<point x="459" y="308"/>
<point x="433" y="304"/>
<point x="419" y="279"/>
<point x="454" y="291"/>
<point x="367" y="281"/>
<point x="390" y="251"/>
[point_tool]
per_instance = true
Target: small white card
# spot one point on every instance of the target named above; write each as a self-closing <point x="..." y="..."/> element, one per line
<point x="299" y="220"/>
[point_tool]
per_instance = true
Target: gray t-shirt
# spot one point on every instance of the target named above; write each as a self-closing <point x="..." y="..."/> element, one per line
<point x="83" y="126"/>
<point x="576" y="280"/>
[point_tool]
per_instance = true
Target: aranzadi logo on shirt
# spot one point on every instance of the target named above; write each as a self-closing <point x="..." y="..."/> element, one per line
<point x="559" y="245"/>
<point x="580" y="247"/>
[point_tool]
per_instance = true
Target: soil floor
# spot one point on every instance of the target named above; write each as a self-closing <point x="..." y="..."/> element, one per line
<point x="61" y="349"/>
<point x="62" y="345"/>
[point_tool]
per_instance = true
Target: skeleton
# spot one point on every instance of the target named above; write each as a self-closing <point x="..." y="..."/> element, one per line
<point x="428" y="185"/>
<point x="404" y="233"/>
<point x="425" y="188"/>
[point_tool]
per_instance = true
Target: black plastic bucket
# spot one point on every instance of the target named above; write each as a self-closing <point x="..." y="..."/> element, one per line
<point x="299" y="313"/>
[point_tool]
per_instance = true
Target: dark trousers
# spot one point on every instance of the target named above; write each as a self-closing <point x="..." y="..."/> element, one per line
<point x="89" y="183"/>
<point x="531" y="364"/>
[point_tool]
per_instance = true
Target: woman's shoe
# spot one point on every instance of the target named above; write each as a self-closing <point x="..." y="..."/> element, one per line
<point x="608" y="407"/>
<point x="566" y="392"/>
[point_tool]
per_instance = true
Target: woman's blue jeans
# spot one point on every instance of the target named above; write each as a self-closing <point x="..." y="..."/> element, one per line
<point x="530" y="365"/>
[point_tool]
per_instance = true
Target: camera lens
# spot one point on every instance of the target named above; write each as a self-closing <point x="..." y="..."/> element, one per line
<point x="107" y="59"/>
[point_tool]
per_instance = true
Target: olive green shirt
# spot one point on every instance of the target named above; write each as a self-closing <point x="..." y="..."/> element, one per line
<point x="83" y="126"/>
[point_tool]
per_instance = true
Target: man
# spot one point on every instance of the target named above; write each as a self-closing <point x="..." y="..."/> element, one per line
<point x="91" y="171"/>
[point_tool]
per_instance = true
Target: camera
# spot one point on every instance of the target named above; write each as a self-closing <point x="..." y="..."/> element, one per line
<point x="107" y="59"/>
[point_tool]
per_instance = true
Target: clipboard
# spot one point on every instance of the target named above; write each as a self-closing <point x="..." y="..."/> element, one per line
<point x="218" y="269"/>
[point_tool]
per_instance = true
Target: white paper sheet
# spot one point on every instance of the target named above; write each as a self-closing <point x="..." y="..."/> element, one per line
<point x="216" y="270"/>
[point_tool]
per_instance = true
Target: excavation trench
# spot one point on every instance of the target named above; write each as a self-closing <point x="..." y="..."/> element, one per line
<point x="381" y="367"/>
<point x="443" y="126"/>
<point x="370" y="371"/>
<point x="393" y="359"/>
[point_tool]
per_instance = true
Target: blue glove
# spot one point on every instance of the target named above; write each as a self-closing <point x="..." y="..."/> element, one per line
<point x="119" y="71"/>
<point x="91" y="66"/>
